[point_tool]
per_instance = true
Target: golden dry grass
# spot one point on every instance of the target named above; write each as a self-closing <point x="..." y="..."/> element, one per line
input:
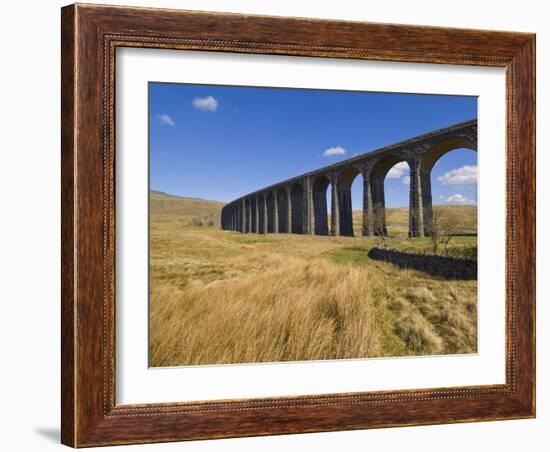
<point x="294" y="311"/>
<point x="223" y="297"/>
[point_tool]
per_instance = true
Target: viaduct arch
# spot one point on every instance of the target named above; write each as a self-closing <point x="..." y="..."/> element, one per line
<point x="298" y="205"/>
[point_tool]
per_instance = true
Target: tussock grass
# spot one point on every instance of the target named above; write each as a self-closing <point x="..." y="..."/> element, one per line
<point x="298" y="310"/>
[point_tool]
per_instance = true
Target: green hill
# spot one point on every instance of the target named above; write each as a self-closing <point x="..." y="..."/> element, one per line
<point x="187" y="209"/>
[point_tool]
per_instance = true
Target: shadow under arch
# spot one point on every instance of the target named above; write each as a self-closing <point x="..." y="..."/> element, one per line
<point x="248" y="214"/>
<point x="320" y="209"/>
<point x="270" y="208"/>
<point x="253" y="215"/>
<point x="345" y="207"/>
<point x="260" y="202"/>
<point x="429" y="159"/>
<point x="297" y="208"/>
<point x="282" y="208"/>
<point x="378" y="176"/>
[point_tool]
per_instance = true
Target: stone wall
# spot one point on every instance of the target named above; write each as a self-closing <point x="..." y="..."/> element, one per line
<point x="446" y="267"/>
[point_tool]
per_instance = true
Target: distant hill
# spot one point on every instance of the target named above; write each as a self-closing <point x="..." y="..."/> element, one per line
<point x="190" y="209"/>
<point x="207" y="211"/>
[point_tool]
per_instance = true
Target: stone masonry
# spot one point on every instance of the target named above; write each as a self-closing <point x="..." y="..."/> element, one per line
<point x="298" y="205"/>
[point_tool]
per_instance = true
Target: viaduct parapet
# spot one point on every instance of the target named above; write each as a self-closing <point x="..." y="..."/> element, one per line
<point x="299" y="205"/>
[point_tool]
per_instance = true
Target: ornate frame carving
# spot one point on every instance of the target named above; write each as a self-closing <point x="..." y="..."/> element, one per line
<point x="90" y="36"/>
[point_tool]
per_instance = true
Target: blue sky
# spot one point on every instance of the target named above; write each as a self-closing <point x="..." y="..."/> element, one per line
<point x="221" y="142"/>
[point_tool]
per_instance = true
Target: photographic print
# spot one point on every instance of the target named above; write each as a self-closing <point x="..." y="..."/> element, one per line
<point x="296" y="224"/>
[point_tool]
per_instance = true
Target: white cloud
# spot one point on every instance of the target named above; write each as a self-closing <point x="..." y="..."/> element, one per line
<point x="208" y="103"/>
<point x="459" y="199"/>
<point x="166" y="120"/>
<point x="406" y="180"/>
<point x="466" y="175"/>
<point x="334" y="150"/>
<point x="397" y="171"/>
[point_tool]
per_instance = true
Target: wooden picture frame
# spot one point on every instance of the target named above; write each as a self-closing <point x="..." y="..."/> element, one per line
<point x="90" y="36"/>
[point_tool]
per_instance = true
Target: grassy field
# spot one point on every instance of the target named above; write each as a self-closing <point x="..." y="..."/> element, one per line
<point x="463" y="217"/>
<point x="224" y="297"/>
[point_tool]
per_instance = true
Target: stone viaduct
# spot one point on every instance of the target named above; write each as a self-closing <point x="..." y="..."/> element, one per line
<point x="299" y="205"/>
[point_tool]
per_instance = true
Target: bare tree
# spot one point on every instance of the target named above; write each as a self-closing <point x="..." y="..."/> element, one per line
<point x="378" y="221"/>
<point x="442" y="232"/>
